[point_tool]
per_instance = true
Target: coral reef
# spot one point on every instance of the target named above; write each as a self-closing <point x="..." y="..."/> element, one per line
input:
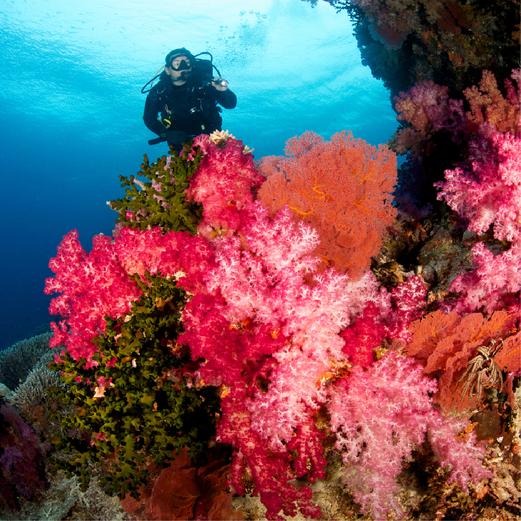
<point x="281" y="328"/>
<point x="239" y="315"/>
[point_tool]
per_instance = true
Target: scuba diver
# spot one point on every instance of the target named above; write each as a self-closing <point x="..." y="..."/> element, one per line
<point x="183" y="104"/>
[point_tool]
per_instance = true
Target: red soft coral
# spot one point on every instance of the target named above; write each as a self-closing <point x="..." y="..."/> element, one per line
<point x="97" y="285"/>
<point x="364" y="337"/>
<point x="92" y="286"/>
<point x="271" y="472"/>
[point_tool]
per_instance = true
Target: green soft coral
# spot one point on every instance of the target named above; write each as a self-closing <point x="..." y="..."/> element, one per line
<point x="147" y="409"/>
<point x="161" y="201"/>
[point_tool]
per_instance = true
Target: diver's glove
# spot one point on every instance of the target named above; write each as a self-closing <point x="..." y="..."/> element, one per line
<point x="176" y="137"/>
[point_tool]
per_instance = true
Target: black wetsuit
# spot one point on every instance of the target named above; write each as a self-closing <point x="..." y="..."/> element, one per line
<point x="191" y="108"/>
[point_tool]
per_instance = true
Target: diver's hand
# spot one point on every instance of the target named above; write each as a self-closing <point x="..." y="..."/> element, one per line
<point x="220" y="84"/>
<point x="176" y="137"/>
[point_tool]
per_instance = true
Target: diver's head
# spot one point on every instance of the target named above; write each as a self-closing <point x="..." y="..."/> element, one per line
<point x="178" y="65"/>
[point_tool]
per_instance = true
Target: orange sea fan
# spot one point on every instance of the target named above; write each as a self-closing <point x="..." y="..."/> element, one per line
<point x="342" y="188"/>
<point x="427" y="332"/>
<point x="509" y="356"/>
<point x="446" y="343"/>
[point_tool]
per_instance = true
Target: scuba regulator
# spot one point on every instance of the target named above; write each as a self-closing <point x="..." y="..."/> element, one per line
<point x="203" y="90"/>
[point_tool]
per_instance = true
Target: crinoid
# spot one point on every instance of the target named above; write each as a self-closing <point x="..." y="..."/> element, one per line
<point x="483" y="371"/>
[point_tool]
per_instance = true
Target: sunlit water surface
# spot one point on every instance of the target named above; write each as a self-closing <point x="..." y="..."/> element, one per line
<point x="71" y="73"/>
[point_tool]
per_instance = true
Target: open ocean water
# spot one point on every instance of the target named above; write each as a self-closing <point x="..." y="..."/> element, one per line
<point x="71" y="74"/>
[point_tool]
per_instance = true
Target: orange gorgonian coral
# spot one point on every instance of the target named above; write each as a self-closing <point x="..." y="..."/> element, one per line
<point x="464" y="353"/>
<point x="340" y="187"/>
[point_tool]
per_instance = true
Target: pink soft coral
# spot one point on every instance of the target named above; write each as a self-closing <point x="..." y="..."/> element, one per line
<point x="493" y="285"/>
<point x="379" y="415"/>
<point x="269" y="323"/>
<point x="490" y="193"/>
<point x="261" y="277"/>
<point x="423" y="106"/>
<point x="388" y="315"/>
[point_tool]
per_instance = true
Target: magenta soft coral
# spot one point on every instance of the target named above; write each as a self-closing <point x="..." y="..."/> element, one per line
<point x="92" y="287"/>
<point x="263" y="330"/>
<point x="488" y="195"/>
<point x="223" y="183"/>
<point x="423" y="106"/>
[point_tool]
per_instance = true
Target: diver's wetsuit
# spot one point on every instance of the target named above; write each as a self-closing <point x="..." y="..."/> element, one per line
<point x="190" y="108"/>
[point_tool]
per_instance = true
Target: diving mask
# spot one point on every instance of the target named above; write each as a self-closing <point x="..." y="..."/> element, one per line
<point x="183" y="65"/>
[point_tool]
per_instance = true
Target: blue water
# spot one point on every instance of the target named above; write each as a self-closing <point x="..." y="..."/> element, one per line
<point x="71" y="73"/>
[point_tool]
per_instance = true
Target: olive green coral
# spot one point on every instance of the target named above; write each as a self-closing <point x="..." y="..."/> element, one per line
<point x="161" y="201"/>
<point x="135" y="406"/>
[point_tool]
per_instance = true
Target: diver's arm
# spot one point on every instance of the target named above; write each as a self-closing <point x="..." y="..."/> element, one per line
<point x="225" y="98"/>
<point x="152" y="109"/>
